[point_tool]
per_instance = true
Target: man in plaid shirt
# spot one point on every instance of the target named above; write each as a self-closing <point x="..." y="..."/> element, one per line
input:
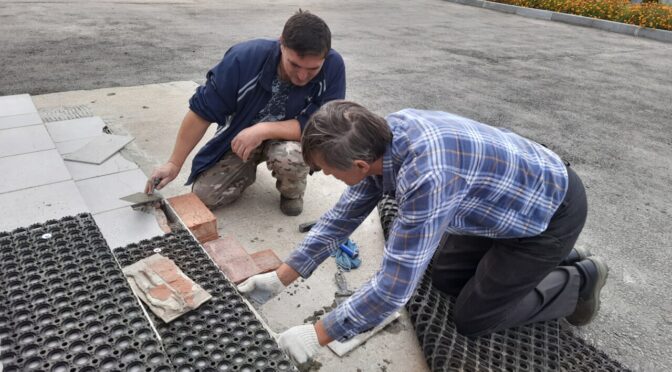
<point x="498" y="213"/>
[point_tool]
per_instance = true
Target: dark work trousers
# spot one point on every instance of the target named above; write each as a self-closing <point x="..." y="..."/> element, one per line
<point x="502" y="283"/>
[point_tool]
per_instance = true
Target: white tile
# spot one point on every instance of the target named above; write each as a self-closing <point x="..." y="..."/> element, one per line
<point x="39" y="204"/>
<point x="16" y="105"/>
<point x="115" y="164"/>
<point x="22" y="120"/>
<point x="102" y="193"/>
<point x="69" y="130"/>
<point x="99" y="149"/>
<point x="22" y="140"/>
<point x="32" y="169"/>
<point x="67" y="147"/>
<point x="124" y="226"/>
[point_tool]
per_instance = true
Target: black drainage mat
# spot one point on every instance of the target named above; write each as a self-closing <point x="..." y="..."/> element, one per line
<point x="544" y="346"/>
<point x="66" y="306"/>
<point x="222" y="334"/>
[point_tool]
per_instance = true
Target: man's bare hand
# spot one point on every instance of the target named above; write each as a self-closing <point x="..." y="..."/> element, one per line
<point x="247" y="140"/>
<point x="166" y="173"/>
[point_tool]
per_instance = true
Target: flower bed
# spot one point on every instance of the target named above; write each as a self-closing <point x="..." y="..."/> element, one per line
<point x="648" y="14"/>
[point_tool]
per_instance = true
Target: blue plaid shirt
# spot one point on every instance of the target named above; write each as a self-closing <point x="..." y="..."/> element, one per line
<point x="447" y="174"/>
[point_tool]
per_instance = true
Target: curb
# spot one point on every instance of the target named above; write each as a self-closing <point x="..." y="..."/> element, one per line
<point x="577" y="20"/>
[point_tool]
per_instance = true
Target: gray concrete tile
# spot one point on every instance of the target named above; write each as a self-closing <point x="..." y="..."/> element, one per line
<point x="31" y="170"/>
<point x="39" y="204"/>
<point x="102" y="194"/>
<point x="99" y="149"/>
<point x="115" y="164"/>
<point x="69" y="130"/>
<point x="22" y="120"/>
<point x="16" y="105"/>
<point x="124" y="226"/>
<point x="23" y="140"/>
<point x="67" y="147"/>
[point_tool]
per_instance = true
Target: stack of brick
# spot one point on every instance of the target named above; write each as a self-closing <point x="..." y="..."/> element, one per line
<point x="236" y="263"/>
<point x="228" y="254"/>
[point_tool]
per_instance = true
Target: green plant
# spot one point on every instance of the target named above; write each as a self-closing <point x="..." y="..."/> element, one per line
<point x="648" y="14"/>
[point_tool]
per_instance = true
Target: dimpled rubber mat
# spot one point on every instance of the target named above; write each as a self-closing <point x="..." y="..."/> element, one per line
<point x="66" y="306"/>
<point x="543" y="346"/>
<point x="222" y="334"/>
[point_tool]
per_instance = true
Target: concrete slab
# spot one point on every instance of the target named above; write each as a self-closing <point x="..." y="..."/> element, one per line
<point x="102" y="194"/>
<point x="115" y="164"/>
<point x="124" y="226"/>
<point x="22" y="120"/>
<point x="137" y="111"/>
<point x="99" y="149"/>
<point x="23" y="140"/>
<point x="16" y="105"/>
<point x="31" y="170"/>
<point x="39" y="204"/>
<point x="164" y="288"/>
<point x="67" y="147"/>
<point x="69" y="130"/>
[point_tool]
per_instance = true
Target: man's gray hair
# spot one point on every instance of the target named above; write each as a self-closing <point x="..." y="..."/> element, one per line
<point x="342" y="132"/>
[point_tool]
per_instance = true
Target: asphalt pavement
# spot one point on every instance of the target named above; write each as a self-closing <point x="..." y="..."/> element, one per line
<point x="602" y="101"/>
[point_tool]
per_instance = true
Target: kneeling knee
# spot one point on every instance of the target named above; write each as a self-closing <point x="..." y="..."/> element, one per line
<point x="215" y="198"/>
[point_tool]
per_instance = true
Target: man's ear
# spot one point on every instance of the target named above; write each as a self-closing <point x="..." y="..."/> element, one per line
<point x="362" y="166"/>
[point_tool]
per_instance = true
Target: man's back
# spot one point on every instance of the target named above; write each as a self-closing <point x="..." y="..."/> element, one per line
<point x="509" y="186"/>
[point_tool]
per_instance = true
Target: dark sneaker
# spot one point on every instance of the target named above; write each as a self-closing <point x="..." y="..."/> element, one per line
<point x="594" y="272"/>
<point x="291" y="207"/>
<point x="575" y="255"/>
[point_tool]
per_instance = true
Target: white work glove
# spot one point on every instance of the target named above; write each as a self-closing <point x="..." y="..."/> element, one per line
<point x="299" y="342"/>
<point x="261" y="288"/>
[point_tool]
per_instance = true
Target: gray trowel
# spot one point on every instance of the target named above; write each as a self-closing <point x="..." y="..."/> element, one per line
<point x="143" y="201"/>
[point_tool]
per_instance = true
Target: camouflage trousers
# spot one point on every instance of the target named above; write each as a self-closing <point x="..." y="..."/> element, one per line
<point x="225" y="181"/>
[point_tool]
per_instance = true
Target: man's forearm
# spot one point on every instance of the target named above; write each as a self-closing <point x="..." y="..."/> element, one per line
<point x="191" y="131"/>
<point x="286" y="274"/>
<point x="288" y="130"/>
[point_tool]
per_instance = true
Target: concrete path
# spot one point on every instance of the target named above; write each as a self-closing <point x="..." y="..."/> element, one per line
<point x="601" y="100"/>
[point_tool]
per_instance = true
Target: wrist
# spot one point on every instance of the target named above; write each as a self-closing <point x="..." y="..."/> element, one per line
<point x="262" y="131"/>
<point x="286" y="274"/>
<point x="322" y="335"/>
<point x="176" y="164"/>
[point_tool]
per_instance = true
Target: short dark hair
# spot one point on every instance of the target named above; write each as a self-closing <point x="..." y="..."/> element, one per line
<point x="307" y="34"/>
<point x="342" y="132"/>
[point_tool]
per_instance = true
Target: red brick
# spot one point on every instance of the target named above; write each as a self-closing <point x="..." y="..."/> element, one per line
<point x="197" y="217"/>
<point x="266" y="260"/>
<point x="231" y="258"/>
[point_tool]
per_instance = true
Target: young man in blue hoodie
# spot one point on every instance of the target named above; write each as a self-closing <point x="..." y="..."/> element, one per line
<point x="260" y="95"/>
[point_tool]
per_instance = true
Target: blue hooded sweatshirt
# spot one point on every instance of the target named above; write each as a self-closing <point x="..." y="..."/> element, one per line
<point x="239" y="86"/>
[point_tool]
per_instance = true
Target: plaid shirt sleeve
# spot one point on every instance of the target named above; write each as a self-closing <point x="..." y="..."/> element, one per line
<point x="335" y="226"/>
<point x="427" y="202"/>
